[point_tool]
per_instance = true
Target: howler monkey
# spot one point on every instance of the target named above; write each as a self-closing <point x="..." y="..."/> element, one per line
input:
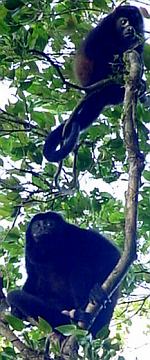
<point x="99" y="57"/>
<point x="64" y="264"/>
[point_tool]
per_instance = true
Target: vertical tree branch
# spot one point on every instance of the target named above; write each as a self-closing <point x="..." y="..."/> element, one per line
<point x="135" y="158"/>
<point x="136" y="165"/>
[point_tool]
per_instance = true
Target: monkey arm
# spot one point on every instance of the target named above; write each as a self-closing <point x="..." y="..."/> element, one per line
<point x="25" y="305"/>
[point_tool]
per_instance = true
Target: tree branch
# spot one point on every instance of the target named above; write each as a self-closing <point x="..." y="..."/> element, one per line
<point x="136" y="165"/>
<point x="24" y="351"/>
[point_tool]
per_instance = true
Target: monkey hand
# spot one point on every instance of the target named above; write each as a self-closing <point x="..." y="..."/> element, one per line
<point x="79" y="316"/>
<point x="98" y="296"/>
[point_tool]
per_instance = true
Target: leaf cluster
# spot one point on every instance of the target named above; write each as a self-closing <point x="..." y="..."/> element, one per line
<point x="41" y="100"/>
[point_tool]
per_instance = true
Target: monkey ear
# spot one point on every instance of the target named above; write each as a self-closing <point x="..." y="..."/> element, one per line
<point x="66" y="143"/>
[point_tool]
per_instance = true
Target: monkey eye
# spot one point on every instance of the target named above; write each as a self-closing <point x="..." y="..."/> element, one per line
<point x="123" y="22"/>
<point x="36" y="228"/>
<point x="50" y="224"/>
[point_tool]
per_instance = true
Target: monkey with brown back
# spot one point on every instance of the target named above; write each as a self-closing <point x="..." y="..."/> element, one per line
<point x="95" y="60"/>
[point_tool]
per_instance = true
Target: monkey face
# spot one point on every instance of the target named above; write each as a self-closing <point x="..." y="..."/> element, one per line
<point x="124" y="27"/>
<point x="42" y="227"/>
<point x="44" y="224"/>
<point x="127" y="32"/>
<point x="44" y="236"/>
<point x="129" y="25"/>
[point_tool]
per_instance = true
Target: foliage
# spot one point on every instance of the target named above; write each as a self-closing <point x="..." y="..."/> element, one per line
<point x="41" y="100"/>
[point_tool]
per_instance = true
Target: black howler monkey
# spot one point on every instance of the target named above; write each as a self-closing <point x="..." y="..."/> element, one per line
<point x="64" y="263"/>
<point x="99" y="57"/>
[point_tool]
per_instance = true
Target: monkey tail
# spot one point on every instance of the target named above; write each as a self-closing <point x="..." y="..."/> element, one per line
<point x="55" y="138"/>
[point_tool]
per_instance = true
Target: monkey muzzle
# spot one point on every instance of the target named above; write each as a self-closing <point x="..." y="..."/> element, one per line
<point x="129" y="32"/>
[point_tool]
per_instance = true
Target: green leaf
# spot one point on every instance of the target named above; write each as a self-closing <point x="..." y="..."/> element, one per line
<point x="3" y="26"/>
<point x="17" y="324"/>
<point x="44" y="326"/>
<point x="84" y="159"/>
<point x="146" y="175"/>
<point x="67" y="330"/>
<point x="147" y="56"/>
<point x="8" y="354"/>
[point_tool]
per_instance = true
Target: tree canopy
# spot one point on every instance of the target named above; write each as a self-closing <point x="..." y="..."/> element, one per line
<point x="88" y="189"/>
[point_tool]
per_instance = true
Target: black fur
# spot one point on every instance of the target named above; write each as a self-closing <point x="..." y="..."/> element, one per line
<point x="64" y="263"/>
<point x="99" y="57"/>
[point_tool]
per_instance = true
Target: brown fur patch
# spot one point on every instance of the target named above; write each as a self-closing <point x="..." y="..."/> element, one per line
<point x="83" y="69"/>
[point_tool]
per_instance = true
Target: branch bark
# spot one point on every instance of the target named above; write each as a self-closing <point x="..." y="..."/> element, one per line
<point x="24" y="352"/>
